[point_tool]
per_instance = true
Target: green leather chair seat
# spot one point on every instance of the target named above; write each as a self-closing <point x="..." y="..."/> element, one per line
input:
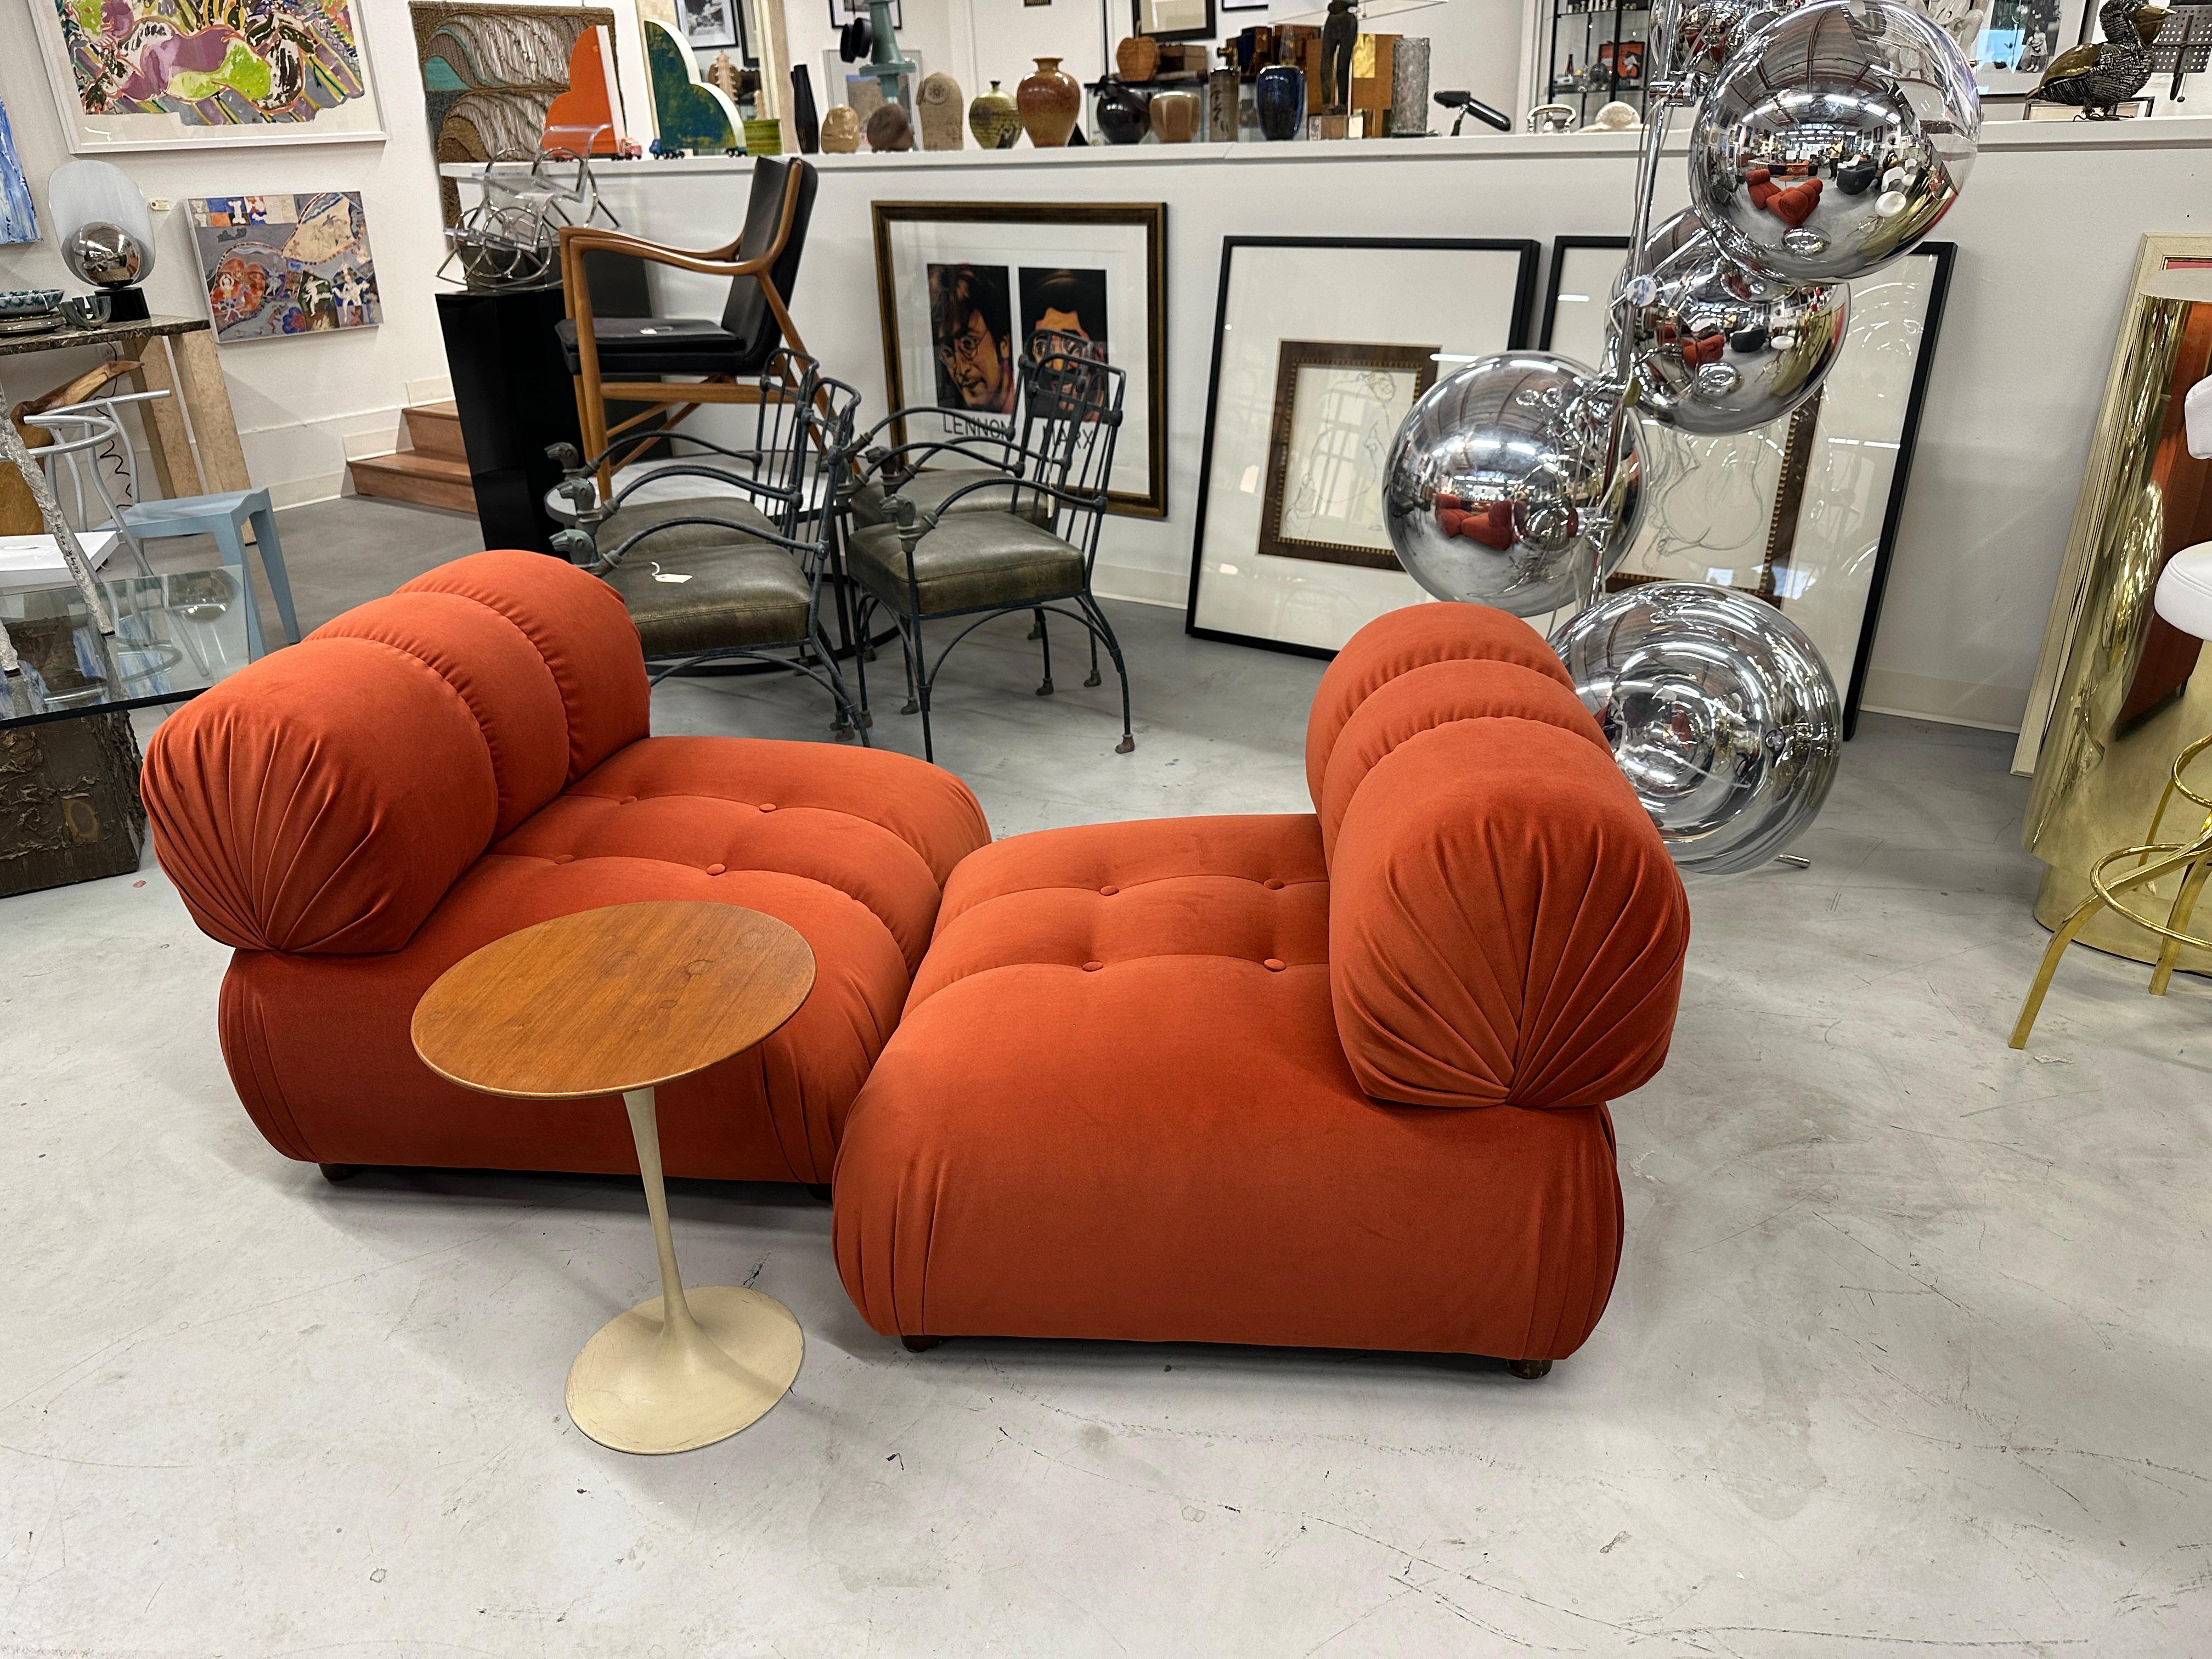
<point x="739" y="594"/>
<point x="969" y="561"/>
<point x="626" y="521"/>
<point x="927" y="491"/>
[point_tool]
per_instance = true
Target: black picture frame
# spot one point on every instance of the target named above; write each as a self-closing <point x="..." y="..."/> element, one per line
<point x="730" y="33"/>
<point x="1945" y="255"/>
<point x="1149" y="218"/>
<point x="1137" y="25"/>
<point x="1560" y="247"/>
<point x="1524" y="301"/>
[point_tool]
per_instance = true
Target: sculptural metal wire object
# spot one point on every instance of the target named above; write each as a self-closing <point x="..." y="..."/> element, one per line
<point x="1829" y="139"/>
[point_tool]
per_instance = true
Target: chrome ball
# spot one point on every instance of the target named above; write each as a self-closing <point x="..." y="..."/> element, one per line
<point x="1718" y="349"/>
<point x="1720" y="712"/>
<point x="1834" y="141"/>
<point x="1495" y="488"/>
<point x="107" y="256"/>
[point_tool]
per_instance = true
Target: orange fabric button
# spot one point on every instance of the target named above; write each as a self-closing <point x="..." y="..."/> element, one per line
<point x="629" y="800"/>
<point x="564" y="858"/>
<point x="1109" y="892"/>
<point x="1092" y="967"/>
<point x="714" y="869"/>
<point x="1272" y="965"/>
<point x="768" y="807"/>
<point x="1272" y="885"/>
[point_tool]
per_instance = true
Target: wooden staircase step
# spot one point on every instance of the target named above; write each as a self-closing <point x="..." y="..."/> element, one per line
<point x="435" y="429"/>
<point x="425" y="480"/>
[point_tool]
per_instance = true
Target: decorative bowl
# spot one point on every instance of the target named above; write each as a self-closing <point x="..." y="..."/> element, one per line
<point x="28" y="302"/>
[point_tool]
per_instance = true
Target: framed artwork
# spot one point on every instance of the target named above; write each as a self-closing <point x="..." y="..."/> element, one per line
<point x="842" y="12"/>
<point x="1321" y="344"/>
<point x="490" y="73"/>
<point x="156" y="74"/>
<point x="279" y="265"/>
<point x="710" y="24"/>
<point x="19" y="214"/>
<point x="1802" y="512"/>
<point x="1172" y="20"/>
<point x="1338" y="406"/>
<point x="964" y="285"/>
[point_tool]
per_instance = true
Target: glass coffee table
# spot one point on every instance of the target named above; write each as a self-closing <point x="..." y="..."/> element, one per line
<point x="69" y="760"/>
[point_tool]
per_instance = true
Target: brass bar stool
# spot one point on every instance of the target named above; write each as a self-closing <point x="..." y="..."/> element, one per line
<point x="2184" y="599"/>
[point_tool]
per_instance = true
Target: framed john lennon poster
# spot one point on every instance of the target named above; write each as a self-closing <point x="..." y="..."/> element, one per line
<point x="156" y="74"/>
<point x="965" y="287"/>
<point x="1321" y="346"/>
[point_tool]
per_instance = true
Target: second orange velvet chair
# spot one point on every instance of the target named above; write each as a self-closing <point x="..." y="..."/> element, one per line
<point x="1335" y="1079"/>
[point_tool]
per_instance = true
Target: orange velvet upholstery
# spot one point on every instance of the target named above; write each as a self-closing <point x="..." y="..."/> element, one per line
<point x="1176" y="1080"/>
<point x="467" y="758"/>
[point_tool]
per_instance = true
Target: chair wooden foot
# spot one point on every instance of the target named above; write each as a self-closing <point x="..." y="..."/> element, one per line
<point x="335" y="1173"/>
<point x="821" y="1192"/>
<point x="919" y="1344"/>
<point x="1528" y="1369"/>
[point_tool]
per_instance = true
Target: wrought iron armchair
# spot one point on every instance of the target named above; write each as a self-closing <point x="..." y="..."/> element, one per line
<point x="989" y="540"/>
<point x="713" y="577"/>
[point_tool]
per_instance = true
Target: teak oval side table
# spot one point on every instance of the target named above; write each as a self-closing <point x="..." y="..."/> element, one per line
<point x="615" y="1001"/>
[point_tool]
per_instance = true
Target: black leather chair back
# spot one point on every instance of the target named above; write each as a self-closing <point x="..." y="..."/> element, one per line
<point x="746" y="314"/>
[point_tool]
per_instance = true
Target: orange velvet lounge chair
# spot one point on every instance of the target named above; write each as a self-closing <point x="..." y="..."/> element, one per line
<point x="467" y="758"/>
<point x="1334" y="1079"/>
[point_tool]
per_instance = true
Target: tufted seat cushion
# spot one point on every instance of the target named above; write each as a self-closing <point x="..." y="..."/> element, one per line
<point x="969" y="561"/>
<point x="1117" y="1106"/>
<point x="927" y="491"/>
<point x="467" y="759"/>
<point x="738" y="595"/>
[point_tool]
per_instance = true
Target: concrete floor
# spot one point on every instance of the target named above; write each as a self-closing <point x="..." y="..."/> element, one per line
<point x="1909" y="1351"/>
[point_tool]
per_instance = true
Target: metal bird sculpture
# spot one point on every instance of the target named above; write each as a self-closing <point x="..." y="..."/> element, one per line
<point x="2099" y="75"/>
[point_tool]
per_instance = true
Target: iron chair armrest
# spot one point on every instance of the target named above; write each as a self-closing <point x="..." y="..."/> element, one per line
<point x="812" y="554"/>
<point x="905" y="514"/>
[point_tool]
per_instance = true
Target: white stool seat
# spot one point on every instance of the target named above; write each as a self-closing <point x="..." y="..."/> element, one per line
<point x="2184" y="590"/>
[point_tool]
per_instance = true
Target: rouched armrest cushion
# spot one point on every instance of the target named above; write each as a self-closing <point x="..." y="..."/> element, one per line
<point x="1505" y="926"/>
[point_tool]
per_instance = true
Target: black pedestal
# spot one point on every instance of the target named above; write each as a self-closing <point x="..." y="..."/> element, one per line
<point x="515" y="396"/>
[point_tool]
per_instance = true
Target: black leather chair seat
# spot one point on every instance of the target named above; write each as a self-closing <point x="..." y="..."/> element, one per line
<point x="626" y="521"/>
<point x="969" y="561"/>
<point x="927" y="491"/>
<point x="660" y="345"/>
<point x="741" y="593"/>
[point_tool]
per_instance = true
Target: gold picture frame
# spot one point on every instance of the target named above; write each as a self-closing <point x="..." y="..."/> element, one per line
<point x="1345" y="426"/>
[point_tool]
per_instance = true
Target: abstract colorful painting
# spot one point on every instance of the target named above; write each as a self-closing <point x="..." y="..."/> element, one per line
<point x="137" y="74"/>
<point x="19" y="216"/>
<point x="286" y="265"/>
<point x="490" y="73"/>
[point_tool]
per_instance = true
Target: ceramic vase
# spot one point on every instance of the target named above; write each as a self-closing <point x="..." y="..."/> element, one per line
<point x="1124" y="113"/>
<point x="888" y="130"/>
<point x="1049" y="102"/>
<point x="1221" y="107"/>
<point x="1280" y="96"/>
<point x="993" y="118"/>
<point x="1175" y="117"/>
<point x="840" y="129"/>
<point x="939" y="113"/>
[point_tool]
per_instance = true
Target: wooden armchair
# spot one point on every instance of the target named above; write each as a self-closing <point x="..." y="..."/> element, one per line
<point x="623" y="359"/>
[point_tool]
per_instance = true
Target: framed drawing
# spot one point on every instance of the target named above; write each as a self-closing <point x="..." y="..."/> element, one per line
<point x="710" y="25"/>
<point x="280" y="265"/>
<point x="1172" y="20"/>
<point x="842" y="12"/>
<point x="1803" y="512"/>
<point x="1320" y="345"/>
<point x="153" y="75"/>
<point x="964" y="286"/>
<point x="1337" y="407"/>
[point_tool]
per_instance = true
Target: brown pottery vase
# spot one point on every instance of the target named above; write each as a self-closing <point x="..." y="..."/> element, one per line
<point x="1049" y="102"/>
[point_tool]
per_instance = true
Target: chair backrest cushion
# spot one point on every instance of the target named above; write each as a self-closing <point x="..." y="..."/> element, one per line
<point x="746" y="312"/>
<point x="326" y="798"/>
<point x="1505" y="926"/>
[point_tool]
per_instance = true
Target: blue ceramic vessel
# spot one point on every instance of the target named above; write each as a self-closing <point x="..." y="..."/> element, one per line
<point x="1279" y="96"/>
